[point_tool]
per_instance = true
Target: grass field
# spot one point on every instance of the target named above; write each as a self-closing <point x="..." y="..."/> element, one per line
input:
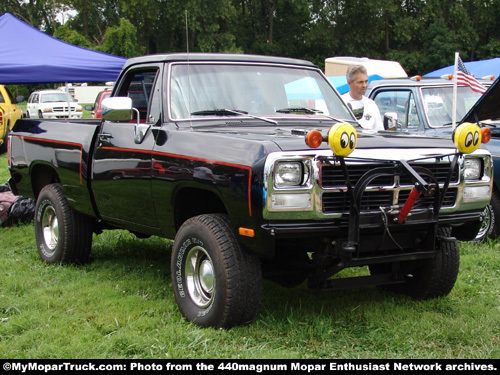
<point x="121" y="305"/>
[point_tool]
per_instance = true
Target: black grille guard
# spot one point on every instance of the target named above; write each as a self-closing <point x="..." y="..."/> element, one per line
<point x="421" y="187"/>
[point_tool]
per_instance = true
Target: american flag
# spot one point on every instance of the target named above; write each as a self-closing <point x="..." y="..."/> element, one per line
<point x="464" y="77"/>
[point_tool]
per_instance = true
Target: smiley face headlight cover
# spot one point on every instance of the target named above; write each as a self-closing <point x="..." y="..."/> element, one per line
<point x="342" y="138"/>
<point x="467" y="137"/>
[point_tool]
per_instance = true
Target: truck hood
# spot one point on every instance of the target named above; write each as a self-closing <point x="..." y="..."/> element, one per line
<point x="486" y="108"/>
<point x="290" y="135"/>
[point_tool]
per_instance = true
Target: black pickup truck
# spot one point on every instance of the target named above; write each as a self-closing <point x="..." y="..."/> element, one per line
<point x="210" y="150"/>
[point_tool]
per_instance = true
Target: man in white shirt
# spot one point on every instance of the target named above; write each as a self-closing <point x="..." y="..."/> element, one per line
<point x="357" y="79"/>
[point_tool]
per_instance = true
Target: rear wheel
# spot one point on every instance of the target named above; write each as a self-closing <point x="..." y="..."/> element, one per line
<point x="62" y="234"/>
<point x="215" y="282"/>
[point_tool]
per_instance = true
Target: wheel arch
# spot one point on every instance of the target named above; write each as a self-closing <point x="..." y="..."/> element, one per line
<point x="42" y="175"/>
<point x="190" y="202"/>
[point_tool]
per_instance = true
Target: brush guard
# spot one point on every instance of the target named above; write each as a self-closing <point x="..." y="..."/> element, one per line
<point x="349" y="249"/>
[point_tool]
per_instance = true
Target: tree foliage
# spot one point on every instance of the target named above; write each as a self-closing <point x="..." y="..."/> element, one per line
<point x="422" y="34"/>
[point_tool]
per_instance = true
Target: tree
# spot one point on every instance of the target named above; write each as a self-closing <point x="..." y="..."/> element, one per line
<point x="67" y="35"/>
<point x="122" y="40"/>
<point x="38" y="13"/>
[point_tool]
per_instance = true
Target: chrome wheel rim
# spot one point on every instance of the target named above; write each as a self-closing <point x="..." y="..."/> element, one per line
<point x="485" y="223"/>
<point x="50" y="228"/>
<point x="200" y="277"/>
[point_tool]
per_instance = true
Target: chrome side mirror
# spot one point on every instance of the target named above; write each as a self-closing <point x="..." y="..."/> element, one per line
<point x="390" y="120"/>
<point x="118" y="108"/>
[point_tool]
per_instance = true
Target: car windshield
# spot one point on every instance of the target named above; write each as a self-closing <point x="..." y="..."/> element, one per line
<point x="56" y="97"/>
<point x="438" y="104"/>
<point x="205" y="90"/>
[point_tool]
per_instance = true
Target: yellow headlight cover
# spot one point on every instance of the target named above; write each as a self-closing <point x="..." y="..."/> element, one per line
<point x="467" y="137"/>
<point x="342" y="138"/>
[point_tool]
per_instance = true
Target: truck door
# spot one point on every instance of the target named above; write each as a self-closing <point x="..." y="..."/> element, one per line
<point x="121" y="166"/>
<point x="399" y="103"/>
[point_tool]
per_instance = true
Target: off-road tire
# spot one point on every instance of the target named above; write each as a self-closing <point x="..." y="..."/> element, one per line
<point x="62" y="234"/>
<point x="216" y="283"/>
<point x="430" y="278"/>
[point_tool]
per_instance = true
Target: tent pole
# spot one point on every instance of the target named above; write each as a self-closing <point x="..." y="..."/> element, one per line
<point x="69" y="104"/>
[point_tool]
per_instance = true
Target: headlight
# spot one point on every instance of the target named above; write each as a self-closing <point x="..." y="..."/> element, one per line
<point x="289" y="173"/>
<point x="473" y="169"/>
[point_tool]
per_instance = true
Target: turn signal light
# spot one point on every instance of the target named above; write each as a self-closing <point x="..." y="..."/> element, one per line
<point x="485" y="135"/>
<point x="314" y="138"/>
<point x="447" y="76"/>
<point x="246" y="232"/>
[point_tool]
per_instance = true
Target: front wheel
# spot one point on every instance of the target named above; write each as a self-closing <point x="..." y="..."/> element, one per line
<point x="216" y="283"/>
<point x="490" y="221"/>
<point x="62" y="234"/>
<point x="430" y="278"/>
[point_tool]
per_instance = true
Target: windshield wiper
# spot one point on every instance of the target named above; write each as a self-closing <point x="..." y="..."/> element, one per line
<point x="305" y="110"/>
<point x="219" y="112"/>
<point x="227" y="112"/>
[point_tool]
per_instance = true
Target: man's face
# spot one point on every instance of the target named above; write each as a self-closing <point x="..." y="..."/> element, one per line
<point x="359" y="85"/>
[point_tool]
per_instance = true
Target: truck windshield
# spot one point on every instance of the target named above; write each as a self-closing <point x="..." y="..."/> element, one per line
<point x="438" y="104"/>
<point x="207" y="90"/>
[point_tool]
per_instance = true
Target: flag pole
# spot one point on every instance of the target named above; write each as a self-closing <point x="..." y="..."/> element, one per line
<point x="454" y="114"/>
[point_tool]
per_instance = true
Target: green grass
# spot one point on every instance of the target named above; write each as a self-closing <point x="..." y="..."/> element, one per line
<point x="121" y="305"/>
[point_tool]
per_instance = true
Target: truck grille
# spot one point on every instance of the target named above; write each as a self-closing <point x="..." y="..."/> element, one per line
<point x="63" y="109"/>
<point x="383" y="191"/>
<point x="332" y="177"/>
<point x="337" y="202"/>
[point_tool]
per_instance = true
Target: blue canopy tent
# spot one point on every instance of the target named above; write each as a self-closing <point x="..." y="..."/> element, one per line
<point x="480" y="69"/>
<point x="27" y="55"/>
<point x="340" y="82"/>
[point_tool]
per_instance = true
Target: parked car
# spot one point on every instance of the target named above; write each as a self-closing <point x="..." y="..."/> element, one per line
<point x="9" y="114"/>
<point x="95" y="109"/>
<point x="424" y="106"/>
<point x="52" y="104"/>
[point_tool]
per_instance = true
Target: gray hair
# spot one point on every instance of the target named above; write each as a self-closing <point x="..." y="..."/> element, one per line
<point x="352" y="70"/>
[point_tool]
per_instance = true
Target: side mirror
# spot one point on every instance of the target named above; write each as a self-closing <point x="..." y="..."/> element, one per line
<point x="357" y="109"/>
<point x="390" y="120"/>
<point x="117" y="108"/>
